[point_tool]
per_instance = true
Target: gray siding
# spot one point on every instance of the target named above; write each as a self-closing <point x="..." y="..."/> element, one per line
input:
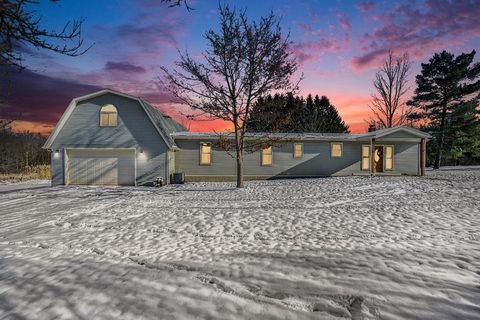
<point x="406" y="157"/>
<point x="57" y="167"/>
<point x="316" y="160"/>
<point x="134" y="130"/>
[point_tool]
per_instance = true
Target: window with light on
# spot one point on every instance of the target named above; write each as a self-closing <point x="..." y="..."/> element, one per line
<point x="205" y="153"/>
<point x="108" y="116"/>
<point x="337" y="150"/>
<point x="267" y="156"/>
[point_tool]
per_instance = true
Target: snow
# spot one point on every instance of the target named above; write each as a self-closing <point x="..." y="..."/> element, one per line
<point x="333" y="248"/>
<point x="26" y="182"/>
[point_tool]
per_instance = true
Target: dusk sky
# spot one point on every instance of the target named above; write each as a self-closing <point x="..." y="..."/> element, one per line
<point x="339" y="45"/>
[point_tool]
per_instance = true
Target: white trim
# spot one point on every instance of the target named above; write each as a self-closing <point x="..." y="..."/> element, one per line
<point x="388" y="131"/>
<point x="73" y="104"/>
<point x="65" y="166"/>
<point x="369" y="155"/>
<point x="419" y="150"/>
<point x="385" y="157"/>
<point x="167" y="167"/>
<point x="135" y="166"/>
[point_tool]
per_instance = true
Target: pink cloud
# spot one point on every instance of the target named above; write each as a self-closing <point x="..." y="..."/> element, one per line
<point x="407" y="28"/>
<point x="343" y="21"/>
<point x="366" y="6"/>
<point x="313" y="50"/>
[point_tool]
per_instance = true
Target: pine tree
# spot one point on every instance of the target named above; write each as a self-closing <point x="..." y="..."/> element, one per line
<point x="446" y="82"/>
<point x="289" y="113"/>
<point x="309" y="114"/>
<point x="463" y="135"/>
<point x="333" y="121"/>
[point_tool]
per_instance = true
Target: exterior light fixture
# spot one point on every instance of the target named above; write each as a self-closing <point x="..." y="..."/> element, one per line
<point x="141" y="151"/>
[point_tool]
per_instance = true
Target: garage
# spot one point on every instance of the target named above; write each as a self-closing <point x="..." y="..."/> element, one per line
<point x="100" y="166"/>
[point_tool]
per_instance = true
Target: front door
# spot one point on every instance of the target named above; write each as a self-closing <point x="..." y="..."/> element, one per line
<point x="379" y="158"/>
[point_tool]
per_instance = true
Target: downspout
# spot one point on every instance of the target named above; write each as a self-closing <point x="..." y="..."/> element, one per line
<point x="167" y="166"/>
<point x="370" y="155"/>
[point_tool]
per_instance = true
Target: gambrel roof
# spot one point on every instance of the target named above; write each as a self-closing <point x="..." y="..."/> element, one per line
<point x="163" y="123"/>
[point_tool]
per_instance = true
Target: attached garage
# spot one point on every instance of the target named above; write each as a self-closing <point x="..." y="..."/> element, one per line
<point x="100" y="166"/>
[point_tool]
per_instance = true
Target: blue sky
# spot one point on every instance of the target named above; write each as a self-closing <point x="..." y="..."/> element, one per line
<point x="339" y="44"/>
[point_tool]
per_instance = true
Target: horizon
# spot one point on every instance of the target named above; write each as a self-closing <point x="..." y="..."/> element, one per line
<point x="339" y="47"/>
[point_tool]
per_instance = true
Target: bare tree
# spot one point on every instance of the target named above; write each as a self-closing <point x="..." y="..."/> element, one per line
<point x="19" y="27"/>
<point x="388" y="105"/>
<point x="244" y="61"/>
<point x="177" y="3"/>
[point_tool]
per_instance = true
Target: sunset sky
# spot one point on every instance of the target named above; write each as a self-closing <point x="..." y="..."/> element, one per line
<point x="339" y="45"/>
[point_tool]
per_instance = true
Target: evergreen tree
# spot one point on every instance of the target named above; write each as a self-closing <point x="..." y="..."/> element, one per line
<point x="463" y="135"/>
<point x="445" y="84"/>
<point x="276" y="113"/>
<point x="308" y="114"/>
<point x="289" y="113"/>
<point x="333" y="121"/>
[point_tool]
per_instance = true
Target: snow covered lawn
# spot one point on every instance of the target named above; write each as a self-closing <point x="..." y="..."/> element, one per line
<point x="333" y="248"/>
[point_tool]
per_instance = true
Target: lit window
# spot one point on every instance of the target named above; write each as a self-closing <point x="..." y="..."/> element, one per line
<point x="297" y="150"/>
<point x="365" y="157"/>
<point x="388" y="157"/>
<point x="205" y="153"/>
<point x="267" y="156"/>
<point x="337" y="149"/>
<point x="108" y="116"/>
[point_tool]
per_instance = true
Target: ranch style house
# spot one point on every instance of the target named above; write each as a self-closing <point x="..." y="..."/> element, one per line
<point x="112" y="138"/>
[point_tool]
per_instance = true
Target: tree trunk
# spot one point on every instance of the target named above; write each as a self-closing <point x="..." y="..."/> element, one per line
<point x="239" y="154"/>
<point x="240" y="169"/>
<point x="441" y="140"/>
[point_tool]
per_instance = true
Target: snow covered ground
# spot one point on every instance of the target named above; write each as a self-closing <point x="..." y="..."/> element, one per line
<point x="333" y="248"/>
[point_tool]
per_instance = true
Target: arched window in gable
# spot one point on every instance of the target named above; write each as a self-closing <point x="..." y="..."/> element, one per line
<point x="108" y="116"/>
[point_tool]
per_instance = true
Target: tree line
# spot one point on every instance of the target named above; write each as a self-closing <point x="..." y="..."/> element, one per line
<point x="21" y="151"/>
<point x="290" y="113"/>
<point x="445" y="104"/>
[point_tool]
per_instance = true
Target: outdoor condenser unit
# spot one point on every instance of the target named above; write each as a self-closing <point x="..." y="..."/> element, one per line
<point x="178" y="177"/>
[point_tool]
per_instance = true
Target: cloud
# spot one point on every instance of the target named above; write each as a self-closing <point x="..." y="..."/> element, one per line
<point x="343" y="21"/>
<point x="37" y="98"/>
<point x="419" y="30"/>
<point x="313" y="50"/>
<point x="366" y="6"/>
<point x="125" y="67"/>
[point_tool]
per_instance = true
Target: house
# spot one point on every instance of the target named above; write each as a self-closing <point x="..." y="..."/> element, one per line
<point x="112" y="138"/>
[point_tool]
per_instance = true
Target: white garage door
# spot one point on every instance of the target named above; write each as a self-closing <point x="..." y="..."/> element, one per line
<point x="101" y="166"/>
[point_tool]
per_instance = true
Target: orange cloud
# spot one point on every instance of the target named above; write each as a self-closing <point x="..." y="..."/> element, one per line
<point x="35" y="127"/>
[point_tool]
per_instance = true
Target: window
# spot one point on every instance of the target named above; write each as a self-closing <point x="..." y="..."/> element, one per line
<point x="267" y="156"/>
<point x="298" y="150"/>
<point x="108" y="116"/>
<point x="388" y="157"/>
<point x="337" y="149"/>
<point x="205" y="153"/>
<point x="365" y="157"/>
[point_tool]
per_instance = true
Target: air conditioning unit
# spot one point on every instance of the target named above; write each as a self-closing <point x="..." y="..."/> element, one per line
<point x="178" y="177"/>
